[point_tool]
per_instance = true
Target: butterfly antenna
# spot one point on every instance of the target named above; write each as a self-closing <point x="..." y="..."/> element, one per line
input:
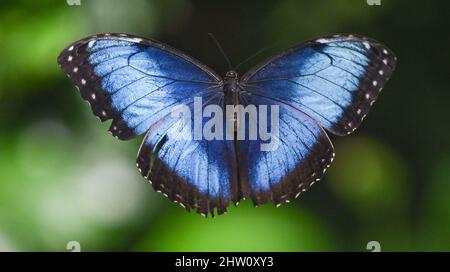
<point x="252" y="56"/>
<point x="221" y="50"/>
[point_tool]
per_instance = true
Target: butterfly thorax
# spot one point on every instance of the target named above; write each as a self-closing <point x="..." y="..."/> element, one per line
<point x="231" y="88"/>
<point x="231" y="82"/>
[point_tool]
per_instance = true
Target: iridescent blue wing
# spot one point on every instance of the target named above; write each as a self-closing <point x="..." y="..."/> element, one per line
<point x="298" y="157"/>
<point x="137" y="83"/>
<point x="329" y="82"/>
<point x="198" y="174"/>
<point x="334" y="80"/>
<point x="133" y="81"/>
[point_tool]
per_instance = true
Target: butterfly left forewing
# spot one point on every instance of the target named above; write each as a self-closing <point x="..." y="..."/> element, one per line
<point x="133" y="80"/>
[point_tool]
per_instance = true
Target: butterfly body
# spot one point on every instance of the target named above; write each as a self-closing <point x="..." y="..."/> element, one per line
<point x="327" y="84"/>
<point x="231" y="82"/>
<point x="231" y="88"/>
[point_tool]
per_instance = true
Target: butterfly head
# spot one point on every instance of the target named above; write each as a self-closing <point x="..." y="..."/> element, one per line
<point x="231" y="75"/>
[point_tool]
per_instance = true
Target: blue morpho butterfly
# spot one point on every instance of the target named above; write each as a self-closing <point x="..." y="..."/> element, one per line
<point x="327" y="83"/>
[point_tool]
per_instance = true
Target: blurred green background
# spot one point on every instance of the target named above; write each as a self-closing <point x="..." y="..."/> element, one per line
<point x="63" y="178"/>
